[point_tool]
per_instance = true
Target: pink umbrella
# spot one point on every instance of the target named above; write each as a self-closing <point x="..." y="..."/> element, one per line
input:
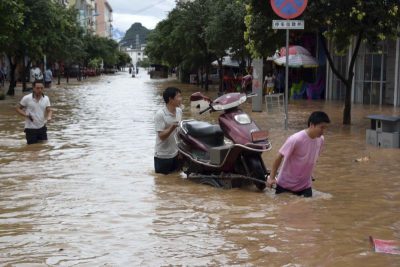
<point x="294" y="50"/>
<point x="298" y="57"/>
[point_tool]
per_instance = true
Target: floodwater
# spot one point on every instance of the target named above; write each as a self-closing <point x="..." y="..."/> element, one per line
<point x="89" y="196"/>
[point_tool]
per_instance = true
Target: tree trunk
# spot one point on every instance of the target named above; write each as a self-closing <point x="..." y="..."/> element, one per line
<point x="350" y="75"/>
<point x="59" y="74"/>
<point x="198" y="77"/>
<point x="207" y="73"/>
<point x="201" y="77"/>
<point x="79" y="72"/>
<point x="25" y="72"/>
<point x="347" y="105"/>
<point x="220" y="74"/>
<point x="67" y="73"/>
<point x="13" y="83"/>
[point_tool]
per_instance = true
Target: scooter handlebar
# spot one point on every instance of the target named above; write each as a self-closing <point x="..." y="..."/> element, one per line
<point x="201" y="112"/>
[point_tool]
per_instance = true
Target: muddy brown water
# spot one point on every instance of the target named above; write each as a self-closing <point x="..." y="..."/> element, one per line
<point x="89" y="196"/>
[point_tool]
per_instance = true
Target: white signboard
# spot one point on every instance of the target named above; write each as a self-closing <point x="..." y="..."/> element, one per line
<point x="288" y="24"/>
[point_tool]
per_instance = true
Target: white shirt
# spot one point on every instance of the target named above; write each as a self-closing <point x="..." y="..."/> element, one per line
<point x="269" y="80"/>
<point x="37" y="109"/>
<point x="36" y="74"/>
<point x="163" y="119"/>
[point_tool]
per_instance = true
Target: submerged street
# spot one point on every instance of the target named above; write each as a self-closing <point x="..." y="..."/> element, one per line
<point x="90" y="197"/>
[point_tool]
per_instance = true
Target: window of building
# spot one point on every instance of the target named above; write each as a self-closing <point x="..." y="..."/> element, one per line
<point x="370" y="75"/>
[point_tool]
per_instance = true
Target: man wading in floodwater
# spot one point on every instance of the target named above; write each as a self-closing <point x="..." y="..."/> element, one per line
<point x="299" y="154"/>
<point x="166" y="120"/>
<point x="36" y="109"/>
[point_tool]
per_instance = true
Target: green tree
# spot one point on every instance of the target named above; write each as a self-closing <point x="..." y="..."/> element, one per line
<point x="340" y="21"/>
<point x="95" y="63"/>
<point x="164" y="44"/>
<point x="11" y="22"/>
<point x="123" y="59"/>
<point x="180" y="39"/>
<point x="184" y="34"/>
<point x="189" y="37"/>
<point x="65" y="44"/>
<point x="34" y="37"/>
<point x="194" y="21"/>
<point x="145" y="63"/>
<point x="42" y="32"/>
<point x="224" y="32"/>
<point x="262" y="40"/>
<point x="198" y="32"/>
<point x="101" y="47"/>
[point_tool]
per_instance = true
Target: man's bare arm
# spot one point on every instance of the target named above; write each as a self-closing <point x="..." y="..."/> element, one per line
<point x="275" y="166"/>
<point x="167" y="132"/>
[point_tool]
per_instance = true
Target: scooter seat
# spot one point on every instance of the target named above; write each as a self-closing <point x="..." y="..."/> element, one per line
<point x="207" y="133"/>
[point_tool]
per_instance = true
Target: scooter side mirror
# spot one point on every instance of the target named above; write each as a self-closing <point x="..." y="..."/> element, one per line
<point x="199" y="96"/>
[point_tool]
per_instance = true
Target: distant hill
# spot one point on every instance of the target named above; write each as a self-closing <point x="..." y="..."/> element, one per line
<point x="136" y="35"/>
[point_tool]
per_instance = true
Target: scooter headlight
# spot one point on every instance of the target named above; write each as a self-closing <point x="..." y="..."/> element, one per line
<point x="242" y="119"/>
<point x="218" y="107"/>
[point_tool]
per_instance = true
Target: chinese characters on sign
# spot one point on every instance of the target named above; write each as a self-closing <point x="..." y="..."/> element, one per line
<point x="288" y="24"/>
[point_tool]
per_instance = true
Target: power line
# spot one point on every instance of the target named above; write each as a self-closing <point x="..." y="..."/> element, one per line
<point x="147" y="7"/>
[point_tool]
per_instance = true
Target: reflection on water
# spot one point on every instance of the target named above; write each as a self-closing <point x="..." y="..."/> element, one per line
<point x="89" y="197"/>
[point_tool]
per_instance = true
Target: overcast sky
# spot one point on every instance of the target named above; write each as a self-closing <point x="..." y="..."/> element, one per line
<point x="149" y="13"/>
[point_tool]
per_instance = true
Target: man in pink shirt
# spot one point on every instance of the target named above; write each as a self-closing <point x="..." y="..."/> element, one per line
<point x="299" y="154"/>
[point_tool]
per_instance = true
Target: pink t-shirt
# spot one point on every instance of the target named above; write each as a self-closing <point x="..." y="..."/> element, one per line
<point x="300" y="156"/>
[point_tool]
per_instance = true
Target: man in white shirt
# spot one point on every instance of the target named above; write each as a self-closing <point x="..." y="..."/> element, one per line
<point x="166" y="120"/>
<point x="36" y="109"/>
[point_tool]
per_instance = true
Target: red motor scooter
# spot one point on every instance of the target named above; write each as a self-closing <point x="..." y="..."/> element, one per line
<point x="228" y="154"/>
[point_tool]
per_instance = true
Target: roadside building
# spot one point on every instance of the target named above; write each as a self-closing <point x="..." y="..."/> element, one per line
<point x="136" y="54"/>
<point x="86" y="14"/>
<point x="376" y="72"/>
<point x="376" y="75"/>
<point x="104" y="18"/>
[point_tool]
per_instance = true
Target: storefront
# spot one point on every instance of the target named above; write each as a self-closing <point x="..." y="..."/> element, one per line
<point x="376" y="75"/>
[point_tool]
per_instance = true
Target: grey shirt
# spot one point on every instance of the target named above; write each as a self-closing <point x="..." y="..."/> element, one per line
<point x="48" y="75"/>
<point x="163" y="119"/>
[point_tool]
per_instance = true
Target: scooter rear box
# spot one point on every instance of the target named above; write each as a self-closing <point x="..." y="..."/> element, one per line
<point x="218" y="153"/>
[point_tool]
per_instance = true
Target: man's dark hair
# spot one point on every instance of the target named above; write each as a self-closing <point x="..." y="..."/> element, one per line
<point x="37" y="81"/>
<point x="170" y="92"/>
<point x="318" y="117"/>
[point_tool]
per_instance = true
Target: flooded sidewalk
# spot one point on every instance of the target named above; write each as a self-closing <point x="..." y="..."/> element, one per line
<point x="90" y="197"/>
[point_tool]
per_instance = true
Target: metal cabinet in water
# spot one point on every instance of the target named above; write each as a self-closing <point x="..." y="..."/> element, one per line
<point x="384" y="131"/>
